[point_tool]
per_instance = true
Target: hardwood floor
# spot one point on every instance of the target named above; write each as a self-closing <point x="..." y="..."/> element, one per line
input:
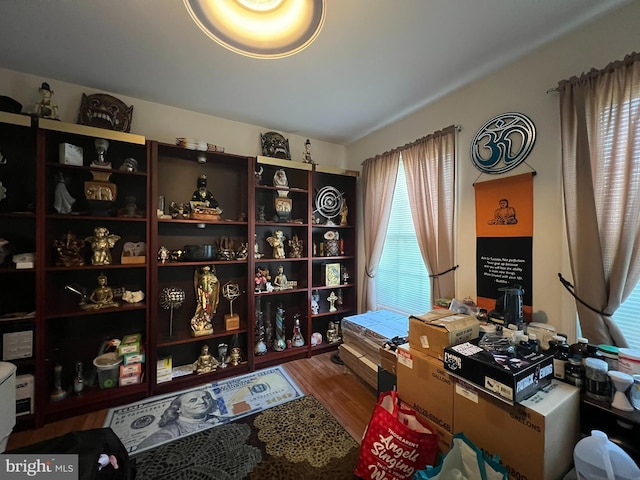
<point x="346" y="396"/>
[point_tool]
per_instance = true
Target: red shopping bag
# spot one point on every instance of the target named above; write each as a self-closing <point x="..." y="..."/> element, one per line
<point x="396" y="443"/>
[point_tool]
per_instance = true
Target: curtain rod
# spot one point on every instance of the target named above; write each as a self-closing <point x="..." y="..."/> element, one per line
<point x="552" y="90"/>
<point x="457" y="128"/>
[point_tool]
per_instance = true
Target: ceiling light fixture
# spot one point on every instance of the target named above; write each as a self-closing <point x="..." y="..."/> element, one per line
<point x="260" y="28"/>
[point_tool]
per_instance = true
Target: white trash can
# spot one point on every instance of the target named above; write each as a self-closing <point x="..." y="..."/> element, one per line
<point x="8" y="402"/>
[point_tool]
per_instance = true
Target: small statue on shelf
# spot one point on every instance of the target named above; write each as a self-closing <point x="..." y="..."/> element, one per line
<point x="280" y="282"/>
<point x="297" y="340"/>
<point x="344" y="212"/>
<point x="262" y="279"/>
<point x="256" y="248"/>
<point x="101" y="244"/>
<point x="68" y="249"/>
<point x="101" y="297"/>
<point x="315" y="303"/>
<point x="277" y="243"/>
<point x="306" y="154"/>
<point x="203" y="202"/>
<point x="206" y="362"/>
<point x="296" y="246"/>
<point x="332" y="302"/>
<point x="45" y="108"/>
<point x="207" y="289"/>
<point x="332" y="333"/>
<point x="62" y="199"/>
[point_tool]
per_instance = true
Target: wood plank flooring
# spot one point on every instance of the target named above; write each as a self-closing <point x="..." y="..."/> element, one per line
<point x="346" y="396"/>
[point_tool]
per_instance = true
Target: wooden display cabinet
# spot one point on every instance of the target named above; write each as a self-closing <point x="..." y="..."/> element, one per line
<point x="51" y="199"/>
<point x="176" y="179"/>
<point x="18" y="295"/>
<point x="67" y="332"/>
<point x="267" y="297"/>
<point x="335" y="248"/>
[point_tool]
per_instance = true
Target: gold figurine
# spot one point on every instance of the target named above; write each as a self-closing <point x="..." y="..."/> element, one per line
<point x="101" y="244"/>
<point x="207" y="289"/>
<point x="101" y="297"/>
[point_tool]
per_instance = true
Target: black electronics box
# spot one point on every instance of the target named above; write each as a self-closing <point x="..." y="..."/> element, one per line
<point x="510" y="378"/>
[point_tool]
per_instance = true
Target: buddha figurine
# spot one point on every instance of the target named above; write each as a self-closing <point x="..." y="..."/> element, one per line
<point x="101" y="297"/>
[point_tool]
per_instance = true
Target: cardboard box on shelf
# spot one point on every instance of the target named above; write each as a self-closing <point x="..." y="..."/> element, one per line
<point x="24" y="394"/>
<point x="431" y="332"/>
<point x="17" y="345"/>
<point x="164" y="369"/>
<point x="130" y="344"/>
<point x="426" y="386"/>
<point x="69" y="154"/>
<point x="534" y="439"/>
<point x="508" y="378"/>
<point x="131" y="358"/>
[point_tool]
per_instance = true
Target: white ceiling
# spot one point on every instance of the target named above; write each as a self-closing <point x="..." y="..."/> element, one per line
<point x="374" y="61"/>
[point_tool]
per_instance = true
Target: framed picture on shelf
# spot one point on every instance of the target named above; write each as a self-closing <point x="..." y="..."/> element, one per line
<point x="332" y="274"/>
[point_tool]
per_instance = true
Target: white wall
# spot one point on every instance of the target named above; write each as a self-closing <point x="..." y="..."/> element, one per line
<point x="164" y="123"/>
<point x="519" y="87"/>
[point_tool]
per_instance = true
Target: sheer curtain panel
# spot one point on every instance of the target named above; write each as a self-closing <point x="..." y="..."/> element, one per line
<point x="600" y="130"/>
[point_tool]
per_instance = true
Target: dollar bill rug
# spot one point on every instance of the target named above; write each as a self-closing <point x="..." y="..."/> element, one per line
<point x="296" y="440"/>
<point x="162" y="419"/>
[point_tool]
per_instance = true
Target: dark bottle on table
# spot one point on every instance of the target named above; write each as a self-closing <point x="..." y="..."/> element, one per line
<point x="574" y="373"/>
<point x="578" y="350"/>
<point x="560" y="356"/>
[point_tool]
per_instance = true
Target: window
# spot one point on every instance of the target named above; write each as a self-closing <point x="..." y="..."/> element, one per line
<point x="626" y="317"/>
<point x="403" y="282"/>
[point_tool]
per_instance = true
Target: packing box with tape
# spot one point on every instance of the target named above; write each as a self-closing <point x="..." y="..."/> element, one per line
<point x="432" y="331"/>
<point x="426" y="386"/>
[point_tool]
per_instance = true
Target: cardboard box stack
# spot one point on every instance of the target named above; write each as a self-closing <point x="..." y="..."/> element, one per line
<point x="534" y="436"/>
<point x="133" y="358"/>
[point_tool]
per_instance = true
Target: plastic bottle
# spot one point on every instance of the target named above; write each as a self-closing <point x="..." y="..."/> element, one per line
<point x="560" y="356"/>
<point x="578" y="350"/>
<point x="597" y="457"/>
<point x="534" y="345"/>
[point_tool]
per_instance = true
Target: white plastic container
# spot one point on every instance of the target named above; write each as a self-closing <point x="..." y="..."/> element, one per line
<point x="598" y="458"/>
<point x="629" y="361"/>
<point x="8" y="402"/>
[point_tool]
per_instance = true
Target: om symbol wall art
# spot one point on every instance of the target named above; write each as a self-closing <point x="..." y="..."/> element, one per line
<point x="503" y="143"/>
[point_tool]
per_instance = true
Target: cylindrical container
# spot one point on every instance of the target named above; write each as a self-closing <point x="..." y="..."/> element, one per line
<point x="487" y="328"/>
<point x="596" y="457"/>
<point x="574" y="373"/>
<point x="610" y="355"/>
<point x="108" y="366"/>
<point x="597" y="382"/>
<point x="629" y="361"/>
<point x="634" y="393"/>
